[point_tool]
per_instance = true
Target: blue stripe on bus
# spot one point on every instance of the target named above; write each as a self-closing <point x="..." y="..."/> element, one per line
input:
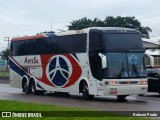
<point x="75" y="56"/>
<point x="40" y="87"/>
<point x="18" y="70"/>
<point x="50" y="34"/>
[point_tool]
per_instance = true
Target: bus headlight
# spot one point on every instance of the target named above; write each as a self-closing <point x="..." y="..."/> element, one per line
<point x="111" y="83"/>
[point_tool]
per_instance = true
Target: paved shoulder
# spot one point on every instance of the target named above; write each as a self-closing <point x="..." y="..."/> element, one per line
<point x="4" y="79"/>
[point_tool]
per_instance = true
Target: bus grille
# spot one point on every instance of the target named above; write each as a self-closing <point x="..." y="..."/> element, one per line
<point x="128" y="82"/>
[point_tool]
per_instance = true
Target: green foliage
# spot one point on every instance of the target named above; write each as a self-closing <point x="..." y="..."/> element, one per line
<point x="4" y="74"/>
<point x="127" y="22"/>
<point x="85" y="23"/>
<point x="22" y="107"/>
<point x="5" y="54"/>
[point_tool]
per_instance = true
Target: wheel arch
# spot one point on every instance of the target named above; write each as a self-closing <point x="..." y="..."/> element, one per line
<point x="80" y="84"/>
<point x="32" y="79"/>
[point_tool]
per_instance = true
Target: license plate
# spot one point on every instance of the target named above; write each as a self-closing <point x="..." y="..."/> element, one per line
<point x="113" y="92"/>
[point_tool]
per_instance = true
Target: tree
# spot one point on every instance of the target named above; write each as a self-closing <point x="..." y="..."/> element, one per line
<point x="85" y="23"/>
<point x="127" y="22"/>
<point x="5" y="54"/>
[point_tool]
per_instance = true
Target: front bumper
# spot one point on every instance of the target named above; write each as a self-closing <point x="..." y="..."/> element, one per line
<point x="125" y="89"/>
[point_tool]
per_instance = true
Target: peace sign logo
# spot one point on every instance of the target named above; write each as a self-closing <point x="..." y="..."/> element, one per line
<point x="59" y="70"/>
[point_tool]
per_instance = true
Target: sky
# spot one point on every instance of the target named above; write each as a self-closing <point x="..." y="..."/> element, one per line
<point x="28" y="17"/>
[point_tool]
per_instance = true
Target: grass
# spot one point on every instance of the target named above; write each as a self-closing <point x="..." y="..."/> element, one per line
<point x="61" y="113"/>
<point x="4" y="73"/>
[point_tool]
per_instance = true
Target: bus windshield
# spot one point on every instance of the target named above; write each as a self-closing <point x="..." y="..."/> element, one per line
<point x="121" y="41"/>
<point x="125" y="65"/>
<point x="124" y="52"/>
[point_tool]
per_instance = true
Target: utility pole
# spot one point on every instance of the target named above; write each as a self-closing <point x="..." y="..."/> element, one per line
<point x="7" y="50"/>
<point x="8" y="40"/>
<point x="51" y="23"/>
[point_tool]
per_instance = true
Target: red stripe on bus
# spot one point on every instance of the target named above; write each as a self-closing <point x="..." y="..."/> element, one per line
<point x="28" y="37"/>
<point x="76" y="71"/>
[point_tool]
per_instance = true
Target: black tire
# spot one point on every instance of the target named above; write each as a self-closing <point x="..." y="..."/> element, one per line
<point x="26" y="88"/>
<point x="121" y="97"/>
<point x="33" y="89"/>
<point x="85" y="92"/>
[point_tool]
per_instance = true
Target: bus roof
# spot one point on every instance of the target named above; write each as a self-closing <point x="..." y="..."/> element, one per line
<point x="109" y="29"/>
<point x="70" y="32"/>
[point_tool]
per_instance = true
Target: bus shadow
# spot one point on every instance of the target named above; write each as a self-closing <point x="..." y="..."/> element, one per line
<point x="157" y="96"/>
<point x="96" y="99"/>
<point x="151" y="95"/>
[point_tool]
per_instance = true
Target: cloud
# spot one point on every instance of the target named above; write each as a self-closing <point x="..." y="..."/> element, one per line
<point x="19" y="17"/>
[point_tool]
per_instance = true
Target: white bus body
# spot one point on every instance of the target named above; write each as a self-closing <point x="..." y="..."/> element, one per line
<point x="38" y="66"/>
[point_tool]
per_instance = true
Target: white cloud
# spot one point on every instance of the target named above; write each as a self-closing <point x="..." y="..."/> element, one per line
<point x="19" y="17"/>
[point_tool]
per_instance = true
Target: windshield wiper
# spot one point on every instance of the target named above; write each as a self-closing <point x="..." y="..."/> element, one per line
<point x="122" y="72"/>
<point x="135" y="70"/>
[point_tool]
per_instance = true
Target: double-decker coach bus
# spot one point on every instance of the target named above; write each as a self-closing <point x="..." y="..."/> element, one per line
<point x="96" y="61"/>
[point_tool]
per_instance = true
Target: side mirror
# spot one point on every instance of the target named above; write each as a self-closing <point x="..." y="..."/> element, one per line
<point x="151" y="60"/>
<point x="103" y="60"/>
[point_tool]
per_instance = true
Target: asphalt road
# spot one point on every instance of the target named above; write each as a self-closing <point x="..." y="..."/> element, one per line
<point x="149" y="102"/>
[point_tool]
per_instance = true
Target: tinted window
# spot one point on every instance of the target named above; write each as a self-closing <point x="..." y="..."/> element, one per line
<point x="125" y="65"/>
<point x="52" y="45"/>
<point x="55" y="44"/>
<point x="94" y="42"/>
<point x="29" y="47"/>
<point x="94" y="59"/>
<point x="79" y="43"/>
<point x="18" y="48"/>
<point x="121" y="42"/>
<point x="72" y="43"/>
<point x="64" y="43"/>
<point x="40" y="46"/>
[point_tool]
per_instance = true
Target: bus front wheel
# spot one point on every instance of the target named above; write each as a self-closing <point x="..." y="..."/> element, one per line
<point x="85" y="92"/>
<point x="25" y="87"/>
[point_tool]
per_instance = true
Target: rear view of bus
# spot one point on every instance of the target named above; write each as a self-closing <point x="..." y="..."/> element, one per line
<point x="116" y="58"/>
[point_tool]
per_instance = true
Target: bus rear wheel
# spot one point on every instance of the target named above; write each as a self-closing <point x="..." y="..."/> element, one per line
<point x="85" y="92"/>
<point x="33" y="89"/>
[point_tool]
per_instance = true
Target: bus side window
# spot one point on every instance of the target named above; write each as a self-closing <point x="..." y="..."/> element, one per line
<point x="72" y="43"/>
<point x="52" y="45"/>
<point x="41" y="46"/>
